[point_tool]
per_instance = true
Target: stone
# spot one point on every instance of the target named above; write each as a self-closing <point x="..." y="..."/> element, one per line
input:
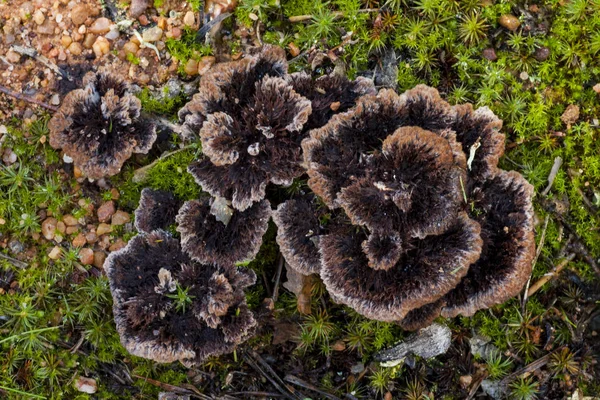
<point x="490" y="54"/>
<point x="86" y="256"/>
<point x="61" y="227"/>
<point x="137" y="8"/>
<point x="91" y="237"/>
<point x="49" y="228"/>
<point x="47" y="28"/>
<point x="99" y="257"/>
<point x="426" y="343"/>
<point x="101" y="46"/>
<point x="152" y="34"/>
<point x="86" y="385"/>
<point x="70" y="220"/>
<point x="39" y="17"/>
<point x="79" y="14"/>
<point x="509" y="21"/>
<point x="89" y="40"/>
<point x="191" y="67"/>
<point x="131" y="48"/>
<point x="541" y="53"/>
<point x="189" y="19"/>
<point x="79" y="240"/>
<point x="106" y="210"/>
<point x="75" y="49"/>
<point x="571" y="115"/>
<point x="55" y="253"/>
<point x="103" y="229"/>
<point x="12" y="56"/>
<point x="118" y="245"/>
<point x="9" y="156"/>
<point x="100" y="26"/>
<point x="597" y="88"/>
<point x="113" y="34"/>
<point x="120" y="218"/>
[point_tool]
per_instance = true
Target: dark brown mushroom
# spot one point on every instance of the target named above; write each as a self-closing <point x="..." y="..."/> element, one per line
<point x="168" y="307"/>
<point x="438" y="227"/>
<point x="503" y="207"/>
<point x="100" y="126"/>
<point x="156" y="210"/>
<point x="250" y="122"/>
<point x="210" y="238"/>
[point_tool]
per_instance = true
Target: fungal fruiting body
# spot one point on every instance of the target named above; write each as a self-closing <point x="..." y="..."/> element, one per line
<point x="168" y="307"/>
<point x="100" y="126"/>
<point x="251" y="117"/>
<point x="427" y="224"/>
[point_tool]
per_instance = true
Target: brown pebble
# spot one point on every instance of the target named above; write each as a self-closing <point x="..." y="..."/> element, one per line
<point x="91" y="237"/>
<point x="49" y="228"/>
<point x="79" y="14"/>
<point x="120" y="218"/>
<point x="103" y="229"/>
<point x="114" y="194"/>
<point x="509" y="21"/>
<point x="106" y="210"/>
<point x="70" y="220"/>
<point x="596" y="88"/>
<point x="99" y="257"/>
<point x="79" y="240"/>
<point x="61" y="227"/>
<point x="191" y="67"/>
<point x="490" y="54"/>
<point x="118" y="245"/>
<point x="294" y="50"/>
<point x="86" y="256"/>
<point x="55" y="253"/>
<point x="100" y="26"/>
<point x="542" y="53"/>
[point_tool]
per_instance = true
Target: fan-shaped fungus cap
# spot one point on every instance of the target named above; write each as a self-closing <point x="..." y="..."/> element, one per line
<point x="503" y="207"/>
<point x="100" y="127"/>
<point x="437" y="215"/>
<point x="168" y="307"/>
<point x="208" y="238"/>
<point x="379" y="288"/>
<point x="329" y="95"/>
<point x="251" y="128"/>
<point x="299" y="227"/>
<point x="156" y="210"/>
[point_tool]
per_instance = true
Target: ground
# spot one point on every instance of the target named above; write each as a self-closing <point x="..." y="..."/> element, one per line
<point x="535" y="64"/>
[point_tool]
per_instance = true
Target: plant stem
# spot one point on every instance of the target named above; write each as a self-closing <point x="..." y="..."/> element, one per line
<point x="28" y="332"/>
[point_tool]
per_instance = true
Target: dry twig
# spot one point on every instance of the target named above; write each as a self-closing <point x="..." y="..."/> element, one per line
<point x="27" y="99"/>
<point x="547" y="277"/>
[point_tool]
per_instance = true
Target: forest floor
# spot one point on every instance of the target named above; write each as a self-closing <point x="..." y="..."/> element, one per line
<point x="535" y="64"/>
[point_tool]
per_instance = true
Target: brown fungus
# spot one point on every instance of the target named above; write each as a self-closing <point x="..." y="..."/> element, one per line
<point x="250" y="120"/>
<point x="438" y="227"/>
<point x="329" y="94"/>
<point x="100" y="126"/>
<point x="168" y="307"/>
<point x="156" y="210"/>
<point x="207" y="238"/>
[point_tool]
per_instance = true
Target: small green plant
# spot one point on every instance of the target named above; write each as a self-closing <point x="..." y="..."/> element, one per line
<point x="181" y="298"/>
<point x="497" y="366"/>
<point x="472" y="29"/>
<point x="524" y="389"/>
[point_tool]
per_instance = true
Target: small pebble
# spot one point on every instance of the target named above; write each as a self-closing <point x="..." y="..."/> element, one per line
<point x="103" y="229"/>
<point x="49" y="228"/>
<point x="79" y="14"/>
<point x="100" y="26"/>
<point x="106" y="210"/>
<point x="189" y="19"/>
<point x="153" y="34"/>
<point x="101" y="46"/>
<point x="542" y="53"/>
<point x="86" y="385"/>
<point x="509" y="21"/>
<point x="191" y="67"/>
<point x="39" y="17"/>
<point x="120" y="218"/>
<point x="55" y="253"/>
<point x="79" y="240"/>
<point x="86" y="256"/>
<point x="490" y="54"/>
<point x="99" y="257"/>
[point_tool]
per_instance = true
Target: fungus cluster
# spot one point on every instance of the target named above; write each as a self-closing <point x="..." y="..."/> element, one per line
<point x="169" y="307"/>
<point x="100" y="125"/>
<point x="251" y="117"/>
<point x="422" y="222"/>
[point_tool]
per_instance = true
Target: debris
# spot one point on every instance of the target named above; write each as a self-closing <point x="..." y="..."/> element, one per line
<point x="427" y="343"/>
<point x="86" y="385"/>
<point x="570" y="116"/>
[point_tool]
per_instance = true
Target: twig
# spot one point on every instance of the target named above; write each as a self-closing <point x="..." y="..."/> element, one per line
<point x="280" y="262"/>
<point x="305" y="385"/>
<point x="547" y="277"/>
<point x="537" y="255"/>
<point x="30" y="52"/>
<point x="255" y="394"/>
<point x="171" y="388"/>
<point x="139" y="175"/>
<point x="553" y="172"/>
<point x="336" y="14"/>
<point x="253" y="359"/>
<point x="476" y="386"/>
<point x="537" y="364"/>
<point x="209" y="25"/>
<point x="14" y="261"/>
<point x="579" y="245"/>
<point x="28" y="99"/>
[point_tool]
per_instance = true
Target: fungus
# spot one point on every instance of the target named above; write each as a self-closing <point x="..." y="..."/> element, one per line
<point x="208" y="238"/>
<point x="299" y="226"/>
<point x="250" y="122"/>
<point x="329" y="94"/>
<point x="433" y="226"/>
<point x="156" y="210"/>
<point x="100" y="126"/>
<point x="168" y="307"/>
